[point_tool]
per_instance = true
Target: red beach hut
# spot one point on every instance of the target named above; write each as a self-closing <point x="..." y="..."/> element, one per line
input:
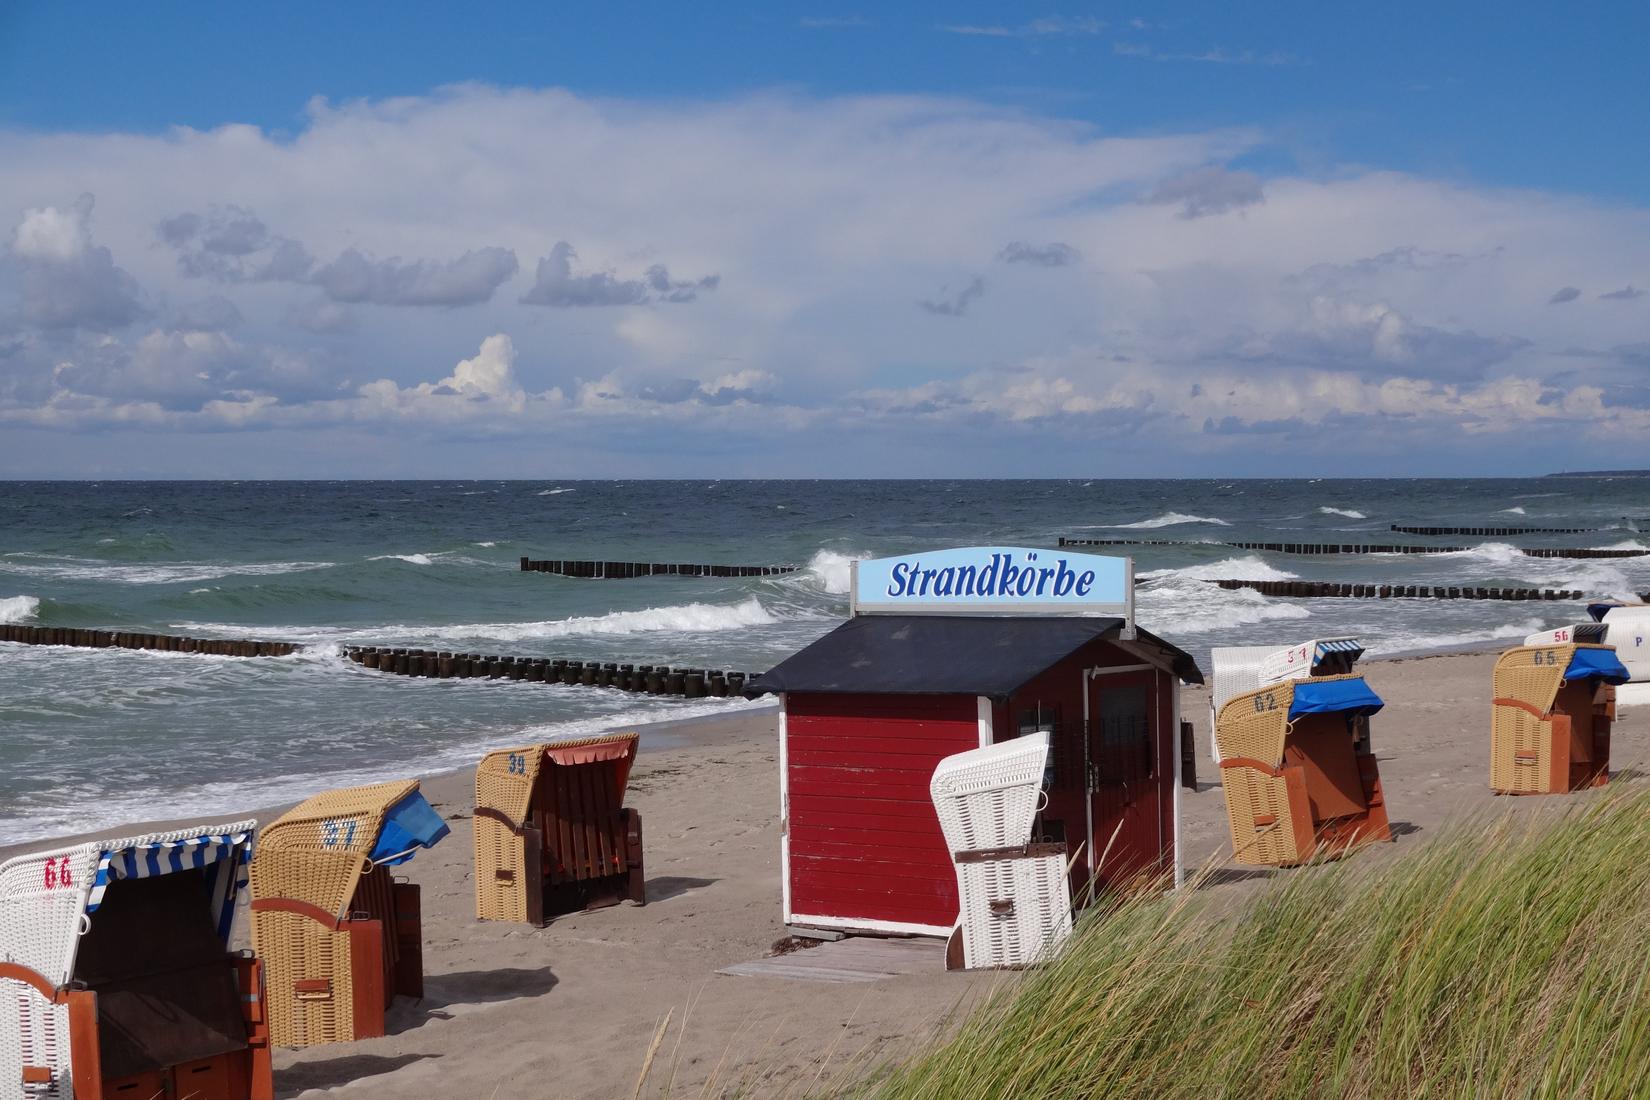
<point x="954" y="650"/>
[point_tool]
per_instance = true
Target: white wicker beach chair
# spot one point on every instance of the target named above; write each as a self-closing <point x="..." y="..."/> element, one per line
<point x="1236" y="670"/>
<point x="1014" y="897"/>
<point x="1628" y="630"/>
<point x="987" y="798"/>
<point x="49" y="901"/>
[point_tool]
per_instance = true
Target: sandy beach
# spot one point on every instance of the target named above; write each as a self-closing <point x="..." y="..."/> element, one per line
<point x="570" y="1009"/>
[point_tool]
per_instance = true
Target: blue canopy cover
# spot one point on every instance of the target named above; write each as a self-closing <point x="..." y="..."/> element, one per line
<point x="410" y="824"/>
<point x="1332" y="696"/>
<point x="1602" y="663"/>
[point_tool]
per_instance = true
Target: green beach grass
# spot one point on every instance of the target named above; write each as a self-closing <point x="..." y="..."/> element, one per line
<point x="1504" y="958"/>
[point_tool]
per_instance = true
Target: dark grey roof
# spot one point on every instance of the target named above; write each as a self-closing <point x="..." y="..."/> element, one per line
<point x="943" y="655"/>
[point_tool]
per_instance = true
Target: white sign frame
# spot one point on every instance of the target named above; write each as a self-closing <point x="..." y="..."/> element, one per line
<point x="1109" y="587"/>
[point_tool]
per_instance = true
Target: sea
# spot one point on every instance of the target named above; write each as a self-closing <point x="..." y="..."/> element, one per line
<point x="94" y="738"/>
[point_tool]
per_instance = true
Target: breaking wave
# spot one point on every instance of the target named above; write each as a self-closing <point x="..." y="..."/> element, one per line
<point x="1167" y="519"/>
<point x="14" y="609"/>
<point x="1347" y="512"/>
<point x="410" y="559"/>
<point x="172" y="572"/>
<point x="1517" y="510"/>
<point x="1250" y="568"/>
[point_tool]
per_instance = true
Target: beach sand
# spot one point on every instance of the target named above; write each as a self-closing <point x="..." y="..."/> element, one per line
<point x="569" y="1010"/>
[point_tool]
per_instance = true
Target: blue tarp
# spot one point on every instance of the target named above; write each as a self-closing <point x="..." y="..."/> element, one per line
<point x="411" y="824"/>
<point x="1333" y="696"/>
<point x="1602" y="663"/>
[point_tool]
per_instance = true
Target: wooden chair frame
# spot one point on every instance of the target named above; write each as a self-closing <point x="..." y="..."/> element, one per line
<point x="1533" y="747"/>
<point x="551" y="833"/>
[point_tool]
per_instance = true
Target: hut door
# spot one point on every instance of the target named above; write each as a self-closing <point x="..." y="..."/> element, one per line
<point x="1124" y="788"/>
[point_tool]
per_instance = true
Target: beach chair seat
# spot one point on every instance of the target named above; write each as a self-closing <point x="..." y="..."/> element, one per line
<point x="118" y="980"/>
<point x="552" y="833"/>
<point x="1241" y="669"/>
<point x="1298" y="774"/>
<point x="1551" y="714"/>
<point x="341" y="938"/>
<point x="1014" y="897"/>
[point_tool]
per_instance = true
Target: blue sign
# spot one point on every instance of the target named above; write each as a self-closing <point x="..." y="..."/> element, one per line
<point x="995" y="580"/>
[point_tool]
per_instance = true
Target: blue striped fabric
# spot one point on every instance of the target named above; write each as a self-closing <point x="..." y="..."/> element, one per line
<point x="224" y="856"/>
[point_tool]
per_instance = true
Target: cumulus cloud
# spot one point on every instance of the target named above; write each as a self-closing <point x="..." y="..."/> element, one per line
<point x="1053" y="254"/>
<point x="231" y="244"/>
<point x="354" y="278"/>
<point x="955" y="305"/>
<point x="1317" y="315"/>
<point x="67" y="281"/>
<point x="555" y="284"/>
<point x="1209" y="190"/>
<point x="1564" y="294"/>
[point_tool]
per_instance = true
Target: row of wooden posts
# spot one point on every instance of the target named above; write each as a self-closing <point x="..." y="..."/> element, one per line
<point x="1355" y="548"/>
<point x="626" y="570"/>
<point x="1399" y="591"/>
<point x="120" y="639"/>
<point x="1494" y="532"/>
<point x="690" y="683"/>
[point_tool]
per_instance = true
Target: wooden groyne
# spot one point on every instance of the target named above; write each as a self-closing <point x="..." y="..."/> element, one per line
<point x="1307" y="589"/>
<point x="1309" y="548"/>
<point x="120" y="639"/>
<point x="690" y="683"/>
<point x="627" y="570"/>
<point x="1494" y="532"/>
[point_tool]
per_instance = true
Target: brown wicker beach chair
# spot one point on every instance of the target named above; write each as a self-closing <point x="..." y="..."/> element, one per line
<point x="1550" y="719"/>
<point x="1299" y="776"/>
<point x="338" y="936"/>
<point x="552" y="833"/>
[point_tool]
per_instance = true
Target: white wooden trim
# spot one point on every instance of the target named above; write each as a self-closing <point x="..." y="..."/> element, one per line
<point x="857" y="924"/>
<point x="984" y="711"/>
<point x="784" y="819"/>
<point x="1095" y="673"/>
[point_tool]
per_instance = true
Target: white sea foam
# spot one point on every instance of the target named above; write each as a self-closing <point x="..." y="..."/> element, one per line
<point x="555" y="492"/>
<point x="1249" y="568"/>
<point x="1517" y="510"/>
<point x="180" y="572"/>
<point x="829" y="571"/>
<point x="1402" y="642"/>
<point x="14" y="609"/>
<point x="1167" y="519"/>
<point x="1182" y="607"/>
<point x="1347" y="512"/>
<point x="410" y="559"/>
<point x="486" y="544"/>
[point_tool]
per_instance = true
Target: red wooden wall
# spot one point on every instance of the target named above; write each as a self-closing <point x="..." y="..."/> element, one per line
<point x="865" y="843"/>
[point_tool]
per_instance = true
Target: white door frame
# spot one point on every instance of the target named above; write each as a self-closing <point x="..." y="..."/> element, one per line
<point x="1089" y="675"/>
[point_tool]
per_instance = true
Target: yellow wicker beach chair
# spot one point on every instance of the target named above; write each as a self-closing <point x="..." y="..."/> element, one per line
<point x="116" y="978"/>
<point x="552" y="834"/>
<point x="1299" y="776"/>
<point x="339" y="938"/>
<point x="1550" y="718"/>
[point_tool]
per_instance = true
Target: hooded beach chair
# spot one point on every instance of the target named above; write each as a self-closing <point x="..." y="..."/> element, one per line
<point x="116" y="978"/>
<point x="1550" y="717"/>
<point x="1299" y="776"/>
<point x="338" y="937"/>
<point x="1627" y="630"/>
<point x="1014" y="897"/>
<point x="1242" y="669"/>
<point x="552" y="832"/>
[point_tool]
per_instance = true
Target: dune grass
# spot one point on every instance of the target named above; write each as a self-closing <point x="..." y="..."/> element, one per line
<point x="1505" y="958"/>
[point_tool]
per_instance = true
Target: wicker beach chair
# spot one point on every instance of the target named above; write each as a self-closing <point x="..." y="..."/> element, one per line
<point x="116" y="979"/>
<point x="1014" y="897"/>
<point x="1241" y="669"/>
<point x="338" y="936"/>
<point x="1299" y="777"/>
<point x="552" y="833"/>
<point x="1550" y="718"/>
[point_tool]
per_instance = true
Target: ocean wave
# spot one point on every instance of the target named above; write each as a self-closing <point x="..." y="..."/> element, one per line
<point x="828" y="571"/>
<point x="1187" y="607"/>
<point x="410" y="559"/>
<point x="1167" y="519"/>
<point x="1249" y="568"/>
<point x="1516" y="510"/>
<point x="172" y="572"/>
<point x="1409" y="643"/>
<point x="554" y="492"/>
<point x="14" y="609"/>
<point x="1347" y="512"/>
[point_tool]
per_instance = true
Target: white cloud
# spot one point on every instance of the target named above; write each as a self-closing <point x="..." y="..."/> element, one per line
<point x="1358" y="302"/>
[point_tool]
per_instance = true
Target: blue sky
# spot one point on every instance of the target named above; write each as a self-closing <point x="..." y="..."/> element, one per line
<point x="372" y="239"/>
